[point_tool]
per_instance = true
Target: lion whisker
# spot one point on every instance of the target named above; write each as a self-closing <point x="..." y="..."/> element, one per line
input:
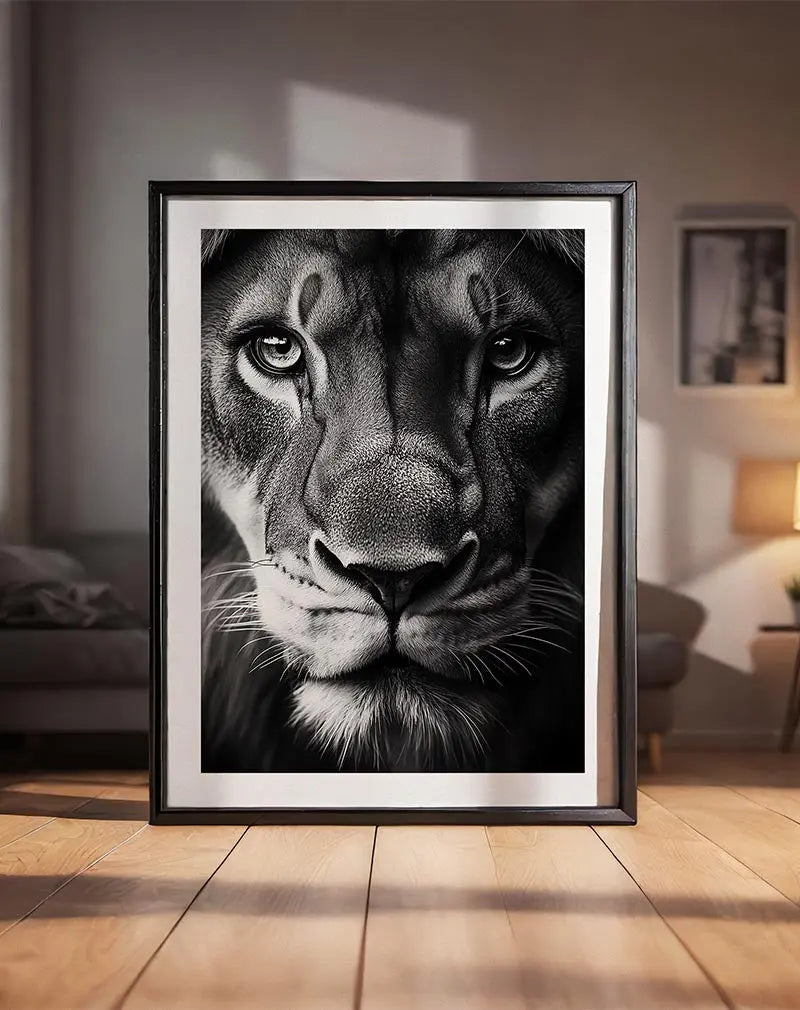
<point x="275" y="648"/>
<point x="523" y="642"/>
<point x="481" y="665"/>
<point x="507" y="658"/>
<point x="472" y="666"/>
<point x="268" y="657"/>
<point x="240" y="568"/>
<point x="554" y="584"/>
<point x="534" y="626"/>
<point x="223" y="620"/>
<point x="495" y="654"/>
<point x="487" y="667"/>
<point x="457" y="659"/>
<point x="253" y="641"/>
<point x="554" y="600"/>
<point x="234" y="624"/>
<point x="244" y="600"/>
<point x="219" y="575"/>
<point x="234" y="616"/>
<point x="555" y="610"/>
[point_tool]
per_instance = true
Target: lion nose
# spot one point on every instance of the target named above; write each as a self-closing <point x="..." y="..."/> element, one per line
<point x="394" y="590"/>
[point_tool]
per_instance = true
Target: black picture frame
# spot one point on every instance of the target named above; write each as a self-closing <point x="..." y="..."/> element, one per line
<point x="623" y="196"/>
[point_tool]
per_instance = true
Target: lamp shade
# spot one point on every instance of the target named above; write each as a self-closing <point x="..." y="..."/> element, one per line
<point x="767" y="497"/>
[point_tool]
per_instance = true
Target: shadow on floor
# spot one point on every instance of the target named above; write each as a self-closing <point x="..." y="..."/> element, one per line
<point x="99" y="894"/>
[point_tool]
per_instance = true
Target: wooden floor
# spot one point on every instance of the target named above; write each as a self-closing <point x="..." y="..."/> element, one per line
<point x="696" y="907"/>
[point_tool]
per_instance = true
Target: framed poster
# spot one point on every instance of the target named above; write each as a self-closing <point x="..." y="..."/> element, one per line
<point x="393" y="502"/>
<point x="734" y="305"/>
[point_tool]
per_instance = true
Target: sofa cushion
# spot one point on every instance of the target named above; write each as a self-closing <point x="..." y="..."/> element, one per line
<point x="656" y="710"/>
<point x="20" y="564"/>
<point x="662" y="659"/>
<point x="74" y="657"/>
<point x="660" y="608"/>
<point x="91" y="708"/>
<point x="53" y="604"/>
<point x="121" y="559"/>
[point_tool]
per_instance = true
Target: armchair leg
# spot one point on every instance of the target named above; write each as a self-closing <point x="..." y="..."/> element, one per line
<point x="654" y="751"/>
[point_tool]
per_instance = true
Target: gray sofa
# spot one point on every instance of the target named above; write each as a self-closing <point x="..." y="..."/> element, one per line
<point x="668" y="624"/>
<point x="95" y="680"/>
<point x="88" y="679"/>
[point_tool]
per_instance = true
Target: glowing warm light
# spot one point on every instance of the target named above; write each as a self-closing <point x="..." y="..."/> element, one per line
<point x="767" y="497"/>
<point x="796" y="518"/>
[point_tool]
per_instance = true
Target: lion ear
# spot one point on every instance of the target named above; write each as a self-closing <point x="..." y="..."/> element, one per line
<point x="566" y="243"/>
<point x="212" y="242"/>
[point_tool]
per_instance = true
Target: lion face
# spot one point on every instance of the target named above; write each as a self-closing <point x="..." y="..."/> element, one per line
<point x="392" y="423"/>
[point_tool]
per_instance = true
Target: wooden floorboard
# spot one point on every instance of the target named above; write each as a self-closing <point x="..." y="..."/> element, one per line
<point x="696" y="907"/>
<point x="86" y="944"/>
<point x="768" y="778"/>
<point x="41" y="861"/>
<point x="27" y="803"/>
<point x="782" y="799"/>
<point x="437" y="930"/>
<point x="586" y="935"/>
<point x="759" y="837"/>
<point x="280" y="925"/>
<point x="743" y="931"/>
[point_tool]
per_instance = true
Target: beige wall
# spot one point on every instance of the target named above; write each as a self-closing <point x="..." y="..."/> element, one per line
<point x="698" y="102"/>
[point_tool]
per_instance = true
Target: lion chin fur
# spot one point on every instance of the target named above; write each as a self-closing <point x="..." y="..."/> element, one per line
<point x="401" y="723"/>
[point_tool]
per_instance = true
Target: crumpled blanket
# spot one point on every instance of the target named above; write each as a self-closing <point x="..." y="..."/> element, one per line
<point x="52" y="604"/>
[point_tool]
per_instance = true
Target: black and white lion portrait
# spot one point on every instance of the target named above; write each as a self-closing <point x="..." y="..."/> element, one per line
<point x="393" y="501"/>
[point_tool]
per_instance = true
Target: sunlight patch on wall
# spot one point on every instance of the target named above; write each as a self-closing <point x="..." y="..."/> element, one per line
<point x="652" y="530"/>
<point x="742" y="593"/>
<point x="709" y="507"/>
<point x="226" y="166"/>
<point x="335" y="135"/>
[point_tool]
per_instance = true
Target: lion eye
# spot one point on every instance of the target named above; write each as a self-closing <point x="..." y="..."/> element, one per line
<point x="277" y="353"/>
<point x="510" y="353"/>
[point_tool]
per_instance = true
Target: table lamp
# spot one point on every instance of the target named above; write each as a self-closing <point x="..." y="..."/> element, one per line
<point x="767" y="498"/>
<point x="767" y="504"/>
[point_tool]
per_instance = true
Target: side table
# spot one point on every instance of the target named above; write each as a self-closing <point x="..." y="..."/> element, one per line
<point x="792" y="719"/>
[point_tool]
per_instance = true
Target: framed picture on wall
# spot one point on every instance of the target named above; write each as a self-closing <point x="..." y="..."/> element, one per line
<point x="393" y="501"/>
<point x="734" y="305"/>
